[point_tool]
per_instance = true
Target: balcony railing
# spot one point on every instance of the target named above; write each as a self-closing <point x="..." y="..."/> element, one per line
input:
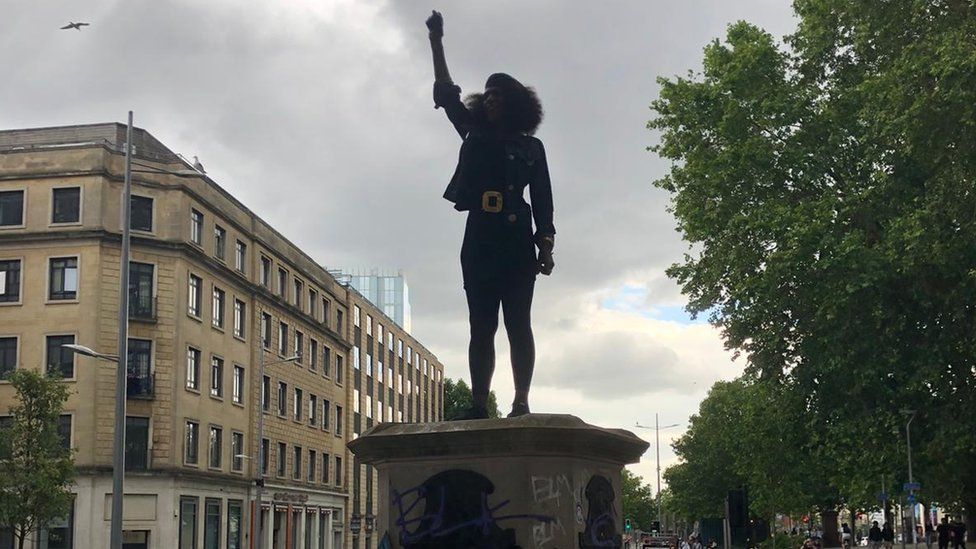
<point x="142" y="307"/>
<point x="140" y="386"/>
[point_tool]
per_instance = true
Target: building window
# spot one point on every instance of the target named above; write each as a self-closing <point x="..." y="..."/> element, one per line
<point x="193" y="368"/>
<point x="211" y="524"/>
<point x="338" y="420"/>
<point x="313" y="300"/>
<point x="216" y="443"/>
<point x="220" y="242"/>
<point x="11" y="208"/>
<point x="338" y="471"/>
<point x="191" y="442"/>
<point x="240" y="256"/>
<point x="64" y="430"/>
<point x="234" y="512"/>
<point x="188" y="523"/>
<point x="282" y="283"/>
<point x="66" y="205"/>
<point x="325" y="414"/>
<point x="339" y="370"/>
<point x="266" y="393"/>
<point x="355" y="315"/>
<point x="265" y="456"/>
<point x="325" y="468"/>
<point x="369" y="406"/>
<point x="296" y="469"/>
<point x="282" y="449"/>
<point x="326" y="311"/>
<point x="355" y="357"/>
<point x="282" y="398"/>
<point x="196" y="227"/>
<point x="339" y="317"/>
<point x="218" y="307"/>
<point x="59" y="359"/>
<point x="141" y="213"/>
<point x="369" y="325"/>
<point x="313" y="354"/>
<point x="312" y="464"/>
<point x="265" y="330"/>
<point x="356" y="397"/>
<point x="399" y="348"/>
<point x="265" y="272"/>
<point x="297" y="404"/>
<point x="369" y="364"/>
<point x="409" y="355"/>
<point x="194" y="299"/>
<point x="63" y="276"/>
<point x="313" y="410"/>
<point x="282" y="339"/>
<point x="238" y="389"/>
<point x="139" y="382"/>
<point x="141" y="302"/>
<point x="237" y="451"/>
<point x="299" y="293"/>
<point x="326" y="358"/>
<point x="216" y="377"/>
<point x="299" y="345"/>
<point x="136" y="443"/>
<point x="9" y="281"/>
<point x="240" y="317"/>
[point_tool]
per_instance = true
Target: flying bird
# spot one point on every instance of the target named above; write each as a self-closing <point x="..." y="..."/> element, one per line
<point x="198" y="166"/>
<point x="73" y="25"/>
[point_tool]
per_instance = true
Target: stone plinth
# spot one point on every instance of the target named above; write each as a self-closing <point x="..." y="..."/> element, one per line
<point x="536" y="481"/>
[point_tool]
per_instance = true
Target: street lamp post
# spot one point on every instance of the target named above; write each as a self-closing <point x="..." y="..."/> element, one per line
<point x="657" y="452"/>
<point x="911" y="481"/>
<point x="121" y="379"/>
<point x="259" y="492"/>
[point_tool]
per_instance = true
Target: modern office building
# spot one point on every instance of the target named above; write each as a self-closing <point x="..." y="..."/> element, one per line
<point x="213" y="291"/>
<point x="386" y="290"/>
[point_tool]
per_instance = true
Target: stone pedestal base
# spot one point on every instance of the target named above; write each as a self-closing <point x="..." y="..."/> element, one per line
<point x="536" y="481"/>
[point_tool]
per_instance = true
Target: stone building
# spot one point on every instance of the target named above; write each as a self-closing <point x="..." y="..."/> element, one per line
<point x="213" y="290"/>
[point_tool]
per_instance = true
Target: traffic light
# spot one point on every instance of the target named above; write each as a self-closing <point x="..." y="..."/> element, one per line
<point x="627" y="525"/>
<point x="656" y="526"/>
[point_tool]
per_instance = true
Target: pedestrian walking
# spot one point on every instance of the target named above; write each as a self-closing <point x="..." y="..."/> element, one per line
<point x="959" y="534"/>
<point x="874" y="536"/>
<point x="887" y="536"/>
<point x="944" y="532"/>
<point x="929" y="533"/>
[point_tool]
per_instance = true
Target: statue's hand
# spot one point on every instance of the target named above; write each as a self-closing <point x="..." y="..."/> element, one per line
<point x="435" y="24"/>
<point x="546" y="263"/>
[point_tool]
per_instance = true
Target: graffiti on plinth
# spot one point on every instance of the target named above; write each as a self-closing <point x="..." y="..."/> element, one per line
<point x="453" y="509"/>
<point x="600" y="530"/>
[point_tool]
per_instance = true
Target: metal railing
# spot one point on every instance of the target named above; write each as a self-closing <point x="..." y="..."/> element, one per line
<point x="142" y="307"/>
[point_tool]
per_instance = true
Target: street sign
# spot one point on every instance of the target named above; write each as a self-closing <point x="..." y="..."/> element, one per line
<point x="912" y="500"/>
<point x="882" y="496"/>
<point x="909" y="486"/>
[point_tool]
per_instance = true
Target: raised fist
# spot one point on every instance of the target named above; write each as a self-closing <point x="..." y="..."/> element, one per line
<point x="435" y="24"/>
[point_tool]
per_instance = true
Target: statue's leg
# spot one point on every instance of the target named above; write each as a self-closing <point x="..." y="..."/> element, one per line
<point x="483" y="305"/>
<point x="517" y="305"/>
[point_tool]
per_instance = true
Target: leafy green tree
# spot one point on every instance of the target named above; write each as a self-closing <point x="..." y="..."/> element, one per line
<point x="457" y="400"/>
<point x="637" y="501"/>
<point x="37" y="465"/>
<point x="825" y="188"/>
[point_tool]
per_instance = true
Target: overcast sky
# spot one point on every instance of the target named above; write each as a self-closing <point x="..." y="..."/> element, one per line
<point x="318" y="115"/>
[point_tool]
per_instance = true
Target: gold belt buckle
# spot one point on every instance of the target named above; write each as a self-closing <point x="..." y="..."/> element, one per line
<point x="491" y="202"/>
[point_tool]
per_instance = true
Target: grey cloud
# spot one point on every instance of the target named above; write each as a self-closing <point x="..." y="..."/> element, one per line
<point x="609" y="366"/>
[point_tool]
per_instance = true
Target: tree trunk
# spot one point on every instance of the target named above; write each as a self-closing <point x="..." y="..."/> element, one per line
<point x="829" y="520"/>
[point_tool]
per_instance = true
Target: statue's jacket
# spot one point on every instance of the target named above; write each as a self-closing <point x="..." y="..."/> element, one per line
<point x="499" y="242"/>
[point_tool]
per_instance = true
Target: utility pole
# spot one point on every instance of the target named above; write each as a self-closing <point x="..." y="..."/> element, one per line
<point x="121" y="371"/>
<point x="911" y="481"/>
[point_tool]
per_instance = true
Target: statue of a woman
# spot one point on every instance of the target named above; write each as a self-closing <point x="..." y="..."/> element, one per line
<point x="499" y="158"/>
